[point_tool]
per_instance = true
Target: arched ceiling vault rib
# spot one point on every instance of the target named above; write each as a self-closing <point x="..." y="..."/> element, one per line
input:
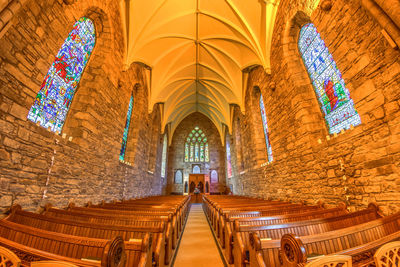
<point x="219" y="75"/>
<point x="230" y="58"/>
<point x="166" y="80"/>
<point x="189" y="40"/>
<point x="210" y="80"/>
<point x="145" y="26"/>
<point x="239" y="15"/>
<point x="227" y="39"/>
<point x="142" y="30"/>
<point x="167" y="74"/>
<point x="213" y="92"/>
<point x="253" y="47"/>
<point x="176" y="96"/>
<point x="212" y="102"/>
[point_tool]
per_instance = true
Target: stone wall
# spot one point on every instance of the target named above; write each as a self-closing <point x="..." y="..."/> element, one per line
<point x="176" y="154"/>
<point x="37" y="165"/>
<point x="358" y="166"/>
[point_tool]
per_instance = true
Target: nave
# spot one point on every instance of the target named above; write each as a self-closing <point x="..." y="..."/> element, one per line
<point x="172" y="231"/>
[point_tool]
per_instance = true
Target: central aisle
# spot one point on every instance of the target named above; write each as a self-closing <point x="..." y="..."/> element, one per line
<point x="197" y="247"/>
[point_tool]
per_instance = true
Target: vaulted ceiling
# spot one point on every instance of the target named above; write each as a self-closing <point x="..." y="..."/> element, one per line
<point x="196" y="51"/>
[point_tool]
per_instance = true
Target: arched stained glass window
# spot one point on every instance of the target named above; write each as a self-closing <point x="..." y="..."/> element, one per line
<point x="164" y="156"/>
<point x="228" y="159"/>
<point x="52" y="103"/>
<point x="196" y="169"/>
<point x="214" y="177"/>
<point x="126" y="130"/>
<point x="178" y="177"/>
<point x="196" y="146"/>
<point x="266" y="131"/>
<point x="327" y="81"/>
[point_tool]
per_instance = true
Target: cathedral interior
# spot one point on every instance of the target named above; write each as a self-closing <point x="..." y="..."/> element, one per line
<point x="180" y="115"/>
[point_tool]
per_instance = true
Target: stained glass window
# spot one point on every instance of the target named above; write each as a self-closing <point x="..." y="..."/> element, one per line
<point x="126" y="130"/>
<point x="52" y="103"/>
<point x="266" y="132"/>
<point x="228" y="159"/>
<point x="164" y="156"/>
<point x="197" y="142"/>
<point x="332" y="94"/>
<point x="178" y="177"/>
<point x="206" y="153"/>
<point x="214" y="177"/>
<point x="186" y="152"/>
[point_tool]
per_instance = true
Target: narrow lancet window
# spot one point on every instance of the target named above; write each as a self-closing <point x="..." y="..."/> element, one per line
<point x="329" y="86"/>
<point x="55" y="96"/>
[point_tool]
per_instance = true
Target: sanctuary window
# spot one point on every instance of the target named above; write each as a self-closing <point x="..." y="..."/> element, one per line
<point x="55" y="96"/>
<point x="228" y="159"/>
<point x="126" y="130"/>
<point x="196" y="146"/>
<point x="329" y="86"/>
<point x="266" y="131"/>
<point x="164" y="156"/>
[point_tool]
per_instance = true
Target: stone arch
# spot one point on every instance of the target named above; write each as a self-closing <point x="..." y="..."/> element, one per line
<point x="254" y="124"/>
<point x="155" y="140"/>
<point x="82" y="119"/>
<point x="308" y="111"/>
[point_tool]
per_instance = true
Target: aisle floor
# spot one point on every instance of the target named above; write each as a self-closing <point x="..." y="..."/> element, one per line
<point x="197" y="247"/>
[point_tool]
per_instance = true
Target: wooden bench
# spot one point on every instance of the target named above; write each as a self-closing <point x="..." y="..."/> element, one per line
<point x="157" y="256"/>
<point x="359" y="241"/>
<point x="241" y="233"/>
<point x="32" y="244"/>
<point x="282" y="210"/>
<point x="98" y="211"/>
<point x="114" y="219"/>
<point x="226" y="233"/>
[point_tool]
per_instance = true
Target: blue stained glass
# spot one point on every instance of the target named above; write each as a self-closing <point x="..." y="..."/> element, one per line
<point x="126" y="130"/>
<point x="52" y="103"/>
<point x="332" y="94"/>
<point x="266" y="132"/>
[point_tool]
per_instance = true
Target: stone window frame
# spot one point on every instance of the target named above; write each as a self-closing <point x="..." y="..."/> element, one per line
<point x="194" y="165"/>
<point x="175" y="171"/>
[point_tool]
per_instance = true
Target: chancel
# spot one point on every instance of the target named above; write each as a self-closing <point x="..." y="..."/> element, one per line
<point x="192" y="133"/>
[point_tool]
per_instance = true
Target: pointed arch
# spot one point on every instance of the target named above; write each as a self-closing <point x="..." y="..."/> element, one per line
<point x="329" y="86"/>
<point x="55" y="96"/>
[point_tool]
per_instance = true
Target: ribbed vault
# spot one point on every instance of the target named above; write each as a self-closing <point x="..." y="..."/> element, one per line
<point x="196" y="51"/>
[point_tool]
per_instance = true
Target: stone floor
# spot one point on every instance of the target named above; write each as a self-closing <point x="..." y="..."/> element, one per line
<point x="197" y="247"/>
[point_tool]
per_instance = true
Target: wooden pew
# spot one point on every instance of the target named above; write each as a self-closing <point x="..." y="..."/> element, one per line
<point x="359" y="241"/>
<point x="32" y="244"/>
<point x="241" y="233"/>
<point x="227" y="237"/>
<point x="157" y="256"/>
<point x="115" y="219"/>
<point x="97" y="211"/>
<point x="274" y="211"/>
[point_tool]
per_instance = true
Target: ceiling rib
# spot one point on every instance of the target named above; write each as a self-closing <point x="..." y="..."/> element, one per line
<point x="197" y="50"/>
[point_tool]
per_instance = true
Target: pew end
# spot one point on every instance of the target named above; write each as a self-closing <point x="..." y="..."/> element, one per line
<point x="8" y="258"/>
<point x="292" y="251"/>
<point x="389" y="252"/>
